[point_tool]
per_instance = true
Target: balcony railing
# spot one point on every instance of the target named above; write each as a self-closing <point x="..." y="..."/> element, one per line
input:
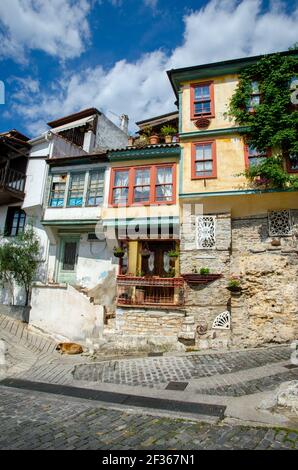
<point x="134" y="290"/>
<point x="12" y="180"/>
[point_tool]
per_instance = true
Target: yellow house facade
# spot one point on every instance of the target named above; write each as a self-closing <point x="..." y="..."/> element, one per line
<point x="244" y="236"/>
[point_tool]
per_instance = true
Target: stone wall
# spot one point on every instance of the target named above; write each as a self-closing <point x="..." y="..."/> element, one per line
<point x="149" y="321"/>
<point x="267" y="310"/>
<point x="205" y="301"/>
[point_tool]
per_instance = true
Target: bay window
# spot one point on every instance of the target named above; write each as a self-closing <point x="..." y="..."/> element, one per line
<point x="77" y="189"/>
<point x="150" y="184"/>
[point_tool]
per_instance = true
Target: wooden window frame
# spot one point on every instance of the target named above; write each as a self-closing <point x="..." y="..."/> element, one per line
<point x="89" y="189"/>
<point x="211" y="114"/>
<point x="65" y="192"/>
<point x="246" y="155"/>
<point x="131" y="185"/>
<point x="69" y="190"/>
<point x="252" y="109"/>
<point x="194" y="176"/>
<point x="10" y="216"/>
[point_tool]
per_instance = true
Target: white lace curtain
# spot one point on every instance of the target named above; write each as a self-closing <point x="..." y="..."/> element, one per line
<point x="165" y="179"/>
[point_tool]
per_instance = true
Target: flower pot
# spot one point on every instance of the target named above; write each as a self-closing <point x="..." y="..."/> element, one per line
<point x="195" y="278"/>
<point x="130" y="141"/>
<point x="168" y="139"/>
<point x="154" y="139"/>
<point x="235" y="290"/>
<point x="119" y="254"/>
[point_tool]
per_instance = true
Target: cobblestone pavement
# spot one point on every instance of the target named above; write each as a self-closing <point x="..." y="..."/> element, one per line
<point x="158" y="371"/>
<point x="41" y="421"/>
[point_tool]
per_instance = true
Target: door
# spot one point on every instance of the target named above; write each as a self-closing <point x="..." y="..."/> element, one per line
<point x="68" y="260"/>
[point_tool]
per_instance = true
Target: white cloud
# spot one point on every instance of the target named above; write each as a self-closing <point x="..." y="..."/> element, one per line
<point x="224" y="29"/>
<point x="57" y="27"/>
<point x="151" y="3"/>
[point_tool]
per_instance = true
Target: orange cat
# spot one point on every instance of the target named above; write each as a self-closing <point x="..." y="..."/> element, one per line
<point x="69" y="348"/>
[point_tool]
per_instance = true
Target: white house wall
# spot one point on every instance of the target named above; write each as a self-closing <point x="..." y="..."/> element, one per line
<point x="94" y="262"/>
<point x="108" y="135"/>
<point x="35" y="182"/>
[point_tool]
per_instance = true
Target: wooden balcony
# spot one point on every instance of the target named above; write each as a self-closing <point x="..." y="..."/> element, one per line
<point x="12" y="185"/>
<point x="150" y="290"/>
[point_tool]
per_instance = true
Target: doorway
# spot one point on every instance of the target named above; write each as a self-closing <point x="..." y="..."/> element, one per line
<point x="69" y="248"/>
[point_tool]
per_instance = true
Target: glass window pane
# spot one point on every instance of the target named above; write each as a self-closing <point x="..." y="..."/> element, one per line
<point x="208" y="166"/>
<point x="255" y="87"/>
<point x="95" y="188"/>
<point x="203" y="107"/>
<point x="199" y="152"/>
<point x="164" y="175"/>
<point x="141" y="193"/>
<point x="199" y="166"/>
<point x="207" y="152"/>
<point x="164" y="192"/>
<point x="142" y="176"/>
<point x="121" y="178"/>
<point x="76" y="190"/>
<point x="293" y="162"/>
<point x="120" y="195"/>
<point x="202" y="92"/>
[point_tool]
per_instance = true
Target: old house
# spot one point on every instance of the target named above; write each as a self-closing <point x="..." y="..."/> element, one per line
<point x="228" y="226"/>
<point x="14" y="151"/>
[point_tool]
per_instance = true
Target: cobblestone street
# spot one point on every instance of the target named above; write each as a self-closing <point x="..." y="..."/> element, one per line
<point x="51" y="409"/>
<point x="40" y="421"/>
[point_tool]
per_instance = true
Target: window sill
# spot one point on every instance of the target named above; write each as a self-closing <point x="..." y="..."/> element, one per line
<point x="212" y="177"/>
<point x="208" y="116"/>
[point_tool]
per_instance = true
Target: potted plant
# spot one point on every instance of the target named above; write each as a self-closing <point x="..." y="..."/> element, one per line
<point x="201" y="277"/>
<point x="234" y="285"/>
<point x="119" y="252"/>
<point x="168" y="132"/>
<point x="173" y="253"/>
<point x="151" y="135"/>
<point x="204" y="271"/>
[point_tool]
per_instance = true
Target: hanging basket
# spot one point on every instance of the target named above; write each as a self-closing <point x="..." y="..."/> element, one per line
<point x="193" y="278"/>
<point x="202" y="123"/>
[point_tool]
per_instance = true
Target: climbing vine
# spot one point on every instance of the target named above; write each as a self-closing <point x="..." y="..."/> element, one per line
<point x="273" y="122"/>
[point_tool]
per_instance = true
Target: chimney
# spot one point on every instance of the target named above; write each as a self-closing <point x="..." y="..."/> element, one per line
<point x="124" y="123"/>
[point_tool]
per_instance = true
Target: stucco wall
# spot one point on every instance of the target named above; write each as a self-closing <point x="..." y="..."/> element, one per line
<point x="108" y="135"/>
<point x="64" y="312"/>
<point x="230" y="163"/>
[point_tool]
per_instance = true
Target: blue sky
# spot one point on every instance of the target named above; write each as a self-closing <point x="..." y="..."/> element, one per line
<point x="59" y="56"/>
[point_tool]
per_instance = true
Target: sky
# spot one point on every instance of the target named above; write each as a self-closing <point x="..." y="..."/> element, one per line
<point x="60" y="56"/>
